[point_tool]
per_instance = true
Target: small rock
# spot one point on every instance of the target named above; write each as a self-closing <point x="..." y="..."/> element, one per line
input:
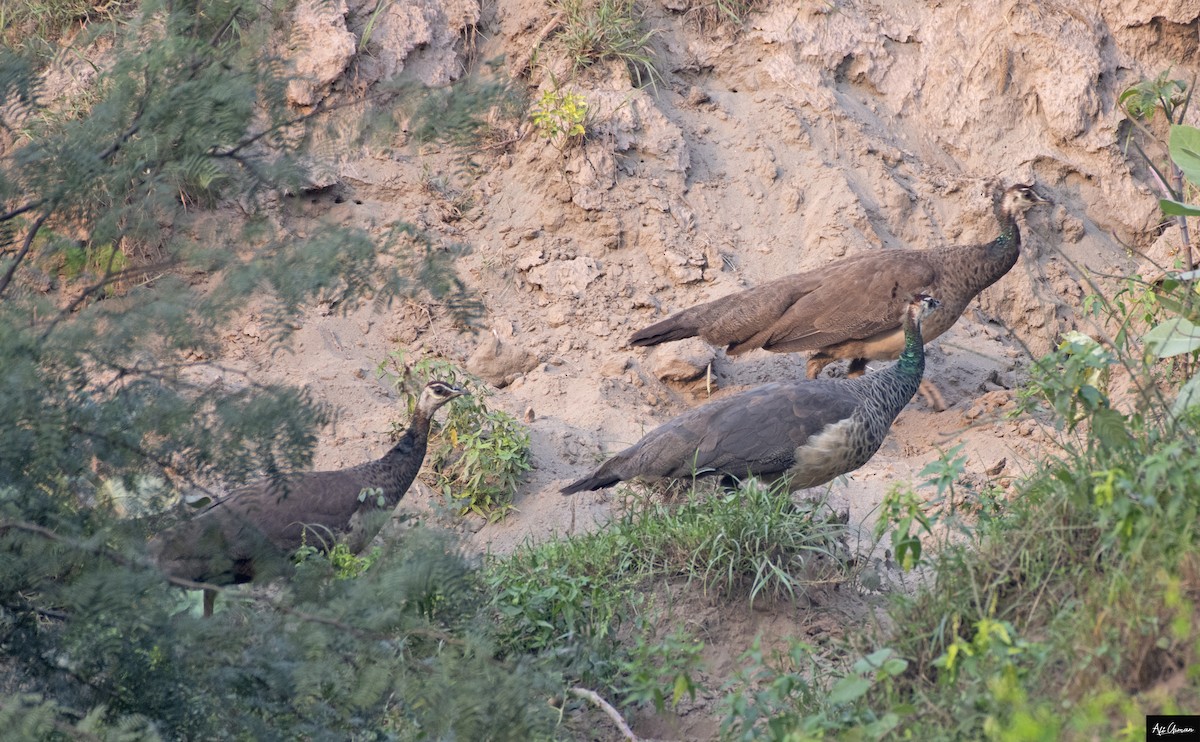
<point x="532" y="260"/>
<point x="565" y="277"/>
<point x="557" y="316"/>
<point x="614" y="367"/>
<point x="643" y="299"/>
<point x="498" y="362"/>
<point x="682" y="361"/>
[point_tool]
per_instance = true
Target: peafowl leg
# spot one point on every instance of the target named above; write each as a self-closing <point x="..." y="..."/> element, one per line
<point x="816" y="363"/>
<point x="932" y="395"/>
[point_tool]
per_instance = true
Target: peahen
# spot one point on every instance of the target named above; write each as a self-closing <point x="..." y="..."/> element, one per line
<point x="851" y="309"/>
<point x="251" y="533"/>
<point x="808" y="430"/>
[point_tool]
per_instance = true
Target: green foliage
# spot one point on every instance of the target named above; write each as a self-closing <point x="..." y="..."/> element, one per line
<point x="571" y="598"/>
<point x="651" y="668"/>
<point x="1073" y="380"/>
<point x="559" y="115"/>
<point x="1145" y="98"/>
<point x="477" y="455"/>
<point x="596" y="30"/>
<point x="799" y="697"/>
<point x="105" y="223"/>
<point x="902" y="512"/>
<point x="913" y="520"/>
<point x="1173" y="97"/>
<point x="1184" y="146"/>
<point x="346" y="565"/>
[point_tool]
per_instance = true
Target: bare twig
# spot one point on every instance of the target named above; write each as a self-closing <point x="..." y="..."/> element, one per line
<point x="607" y="708"/>
<point x="12" y="269"/>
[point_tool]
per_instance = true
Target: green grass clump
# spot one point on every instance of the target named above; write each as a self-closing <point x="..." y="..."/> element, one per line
<point x="709" y="14"/>
<point x="37" y="26"/>
<point x="596" y="30"/>
<point x="572" y="597"/>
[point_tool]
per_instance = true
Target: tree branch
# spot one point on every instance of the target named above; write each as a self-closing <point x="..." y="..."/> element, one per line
<point x="607" y="708"/>
<point x="12" y="269"/>
<point x="106" y="280"/>
<point x="22" y="209"/>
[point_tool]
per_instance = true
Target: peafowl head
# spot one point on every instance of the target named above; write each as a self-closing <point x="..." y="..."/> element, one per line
<point x="435" y="394"/>
<point x="920" y="307"/>
<point x="1018" y="199"/>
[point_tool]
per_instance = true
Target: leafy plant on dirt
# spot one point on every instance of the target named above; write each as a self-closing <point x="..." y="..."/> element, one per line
<point x="478" y="455"/>
<point x="801" y="696"/>
<point x="346" y="565"/>
<point x="913" y="519"/>
<point x="903" y="514"/>
<point x="595" y="30"/>
<point x="560" y="115"/>
<point x="1141" y="102"/>
<point x="658" y="672"/>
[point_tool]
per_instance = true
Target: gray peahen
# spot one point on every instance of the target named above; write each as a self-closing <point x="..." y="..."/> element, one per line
<point x="808" y="430"/>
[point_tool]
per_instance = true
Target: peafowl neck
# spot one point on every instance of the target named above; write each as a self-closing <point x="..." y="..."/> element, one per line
<point x="912" y="359"/>
<point x="985" y="264"/>
<point x="885" y="393"/>
<point x="393" y="473"/>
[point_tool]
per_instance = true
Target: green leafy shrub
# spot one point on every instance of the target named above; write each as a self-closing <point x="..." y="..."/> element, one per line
<point x="346" y="565"/>
<point x="559" y="115"/>
<point x="801" y="696"/>
<point x="477" y="455"/>
<point x="650" y="668"/>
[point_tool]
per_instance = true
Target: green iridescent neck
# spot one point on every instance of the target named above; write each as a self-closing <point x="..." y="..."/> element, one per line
<point x="1008" y="228"/>
<point x="912" y="358"/>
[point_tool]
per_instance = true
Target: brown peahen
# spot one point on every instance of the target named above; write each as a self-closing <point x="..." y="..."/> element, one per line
<point x="808" y="430"/>
<point x="850" y="309"/>
<point x="251" y="533"/>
